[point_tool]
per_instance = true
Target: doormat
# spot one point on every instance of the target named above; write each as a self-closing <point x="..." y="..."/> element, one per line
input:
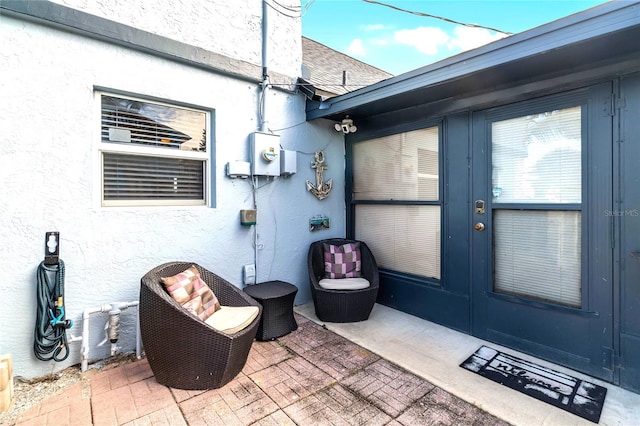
<point x="576" y="396"/>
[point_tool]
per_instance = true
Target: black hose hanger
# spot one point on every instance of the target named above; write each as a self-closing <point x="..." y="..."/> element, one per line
<point x="50" y="333"/>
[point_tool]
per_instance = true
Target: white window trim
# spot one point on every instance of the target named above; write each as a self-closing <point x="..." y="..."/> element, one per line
<point x="119" y="148"/>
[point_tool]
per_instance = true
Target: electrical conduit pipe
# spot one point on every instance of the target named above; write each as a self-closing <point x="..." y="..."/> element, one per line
<point x="113" y="310"/>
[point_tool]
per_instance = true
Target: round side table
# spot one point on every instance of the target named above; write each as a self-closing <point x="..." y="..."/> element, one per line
<point x="276" y="298"/>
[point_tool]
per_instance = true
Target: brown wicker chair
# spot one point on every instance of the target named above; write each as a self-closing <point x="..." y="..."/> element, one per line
<point x="342" y="305"/>
<point x="183" y="351"/>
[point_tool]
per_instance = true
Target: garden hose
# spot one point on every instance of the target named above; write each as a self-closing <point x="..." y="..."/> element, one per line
<point x="50" y="334"/>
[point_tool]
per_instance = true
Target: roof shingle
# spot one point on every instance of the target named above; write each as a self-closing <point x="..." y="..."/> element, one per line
<point x="333" y="73"/>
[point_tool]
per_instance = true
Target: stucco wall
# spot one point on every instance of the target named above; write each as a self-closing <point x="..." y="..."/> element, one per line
<point x="230" y="27"/>
<point x="50" y="174"/>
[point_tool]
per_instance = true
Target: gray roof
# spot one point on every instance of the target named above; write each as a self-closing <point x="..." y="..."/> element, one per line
<point x="333" y="73"/>
<point x="593" y="43"/>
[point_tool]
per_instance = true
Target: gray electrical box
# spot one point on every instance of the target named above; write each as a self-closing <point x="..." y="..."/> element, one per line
<point x="265" y="154"/>
<point x="288" y="162"/>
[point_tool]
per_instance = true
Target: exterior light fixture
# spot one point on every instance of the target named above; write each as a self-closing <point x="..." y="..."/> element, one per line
<point x="346" y="126"/>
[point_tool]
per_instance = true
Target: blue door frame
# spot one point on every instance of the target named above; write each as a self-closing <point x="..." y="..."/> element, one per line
<point x="626" y="220"/>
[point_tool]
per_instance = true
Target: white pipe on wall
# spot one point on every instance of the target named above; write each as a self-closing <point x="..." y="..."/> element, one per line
<point x="114" y="308"/>
<point x="138" y="339"/>
<point x="262" y="104"/>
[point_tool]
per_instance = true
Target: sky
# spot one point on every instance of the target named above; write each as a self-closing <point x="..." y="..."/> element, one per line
<point x="398" y="42"/>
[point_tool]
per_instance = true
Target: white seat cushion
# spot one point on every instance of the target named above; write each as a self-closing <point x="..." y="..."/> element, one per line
<point x="344" y="283"/>
<point x="231" y="319"/>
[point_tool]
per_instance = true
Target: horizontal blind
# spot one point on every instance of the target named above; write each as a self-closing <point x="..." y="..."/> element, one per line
<point x="140" y="177"/>
<point x="537" y="255"/>
<point x="402" y="238"/>
<point x="403" y="166"/>
<point x="126" y="120"/>
<point x="537" y="158"/>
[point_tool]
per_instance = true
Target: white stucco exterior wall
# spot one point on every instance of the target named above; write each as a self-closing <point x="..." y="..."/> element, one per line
<point x="50" y="174"/>
<point x="230" y="27"/>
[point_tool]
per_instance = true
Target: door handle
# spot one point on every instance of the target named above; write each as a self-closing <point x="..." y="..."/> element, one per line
<point x="635" y="254"/>
<point x="479" y="226"/>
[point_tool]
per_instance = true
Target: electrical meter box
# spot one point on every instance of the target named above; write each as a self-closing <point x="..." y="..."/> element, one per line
<point x="265" y="154"/>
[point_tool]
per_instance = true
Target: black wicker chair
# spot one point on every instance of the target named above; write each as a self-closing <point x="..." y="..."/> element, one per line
<point x="183" y="351"/>
<point x="342" y="305"/>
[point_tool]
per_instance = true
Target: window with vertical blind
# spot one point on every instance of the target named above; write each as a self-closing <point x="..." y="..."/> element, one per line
<point x="537" y="167"/>
<point x="152" y="153"/>
<point x="396" y="192"/>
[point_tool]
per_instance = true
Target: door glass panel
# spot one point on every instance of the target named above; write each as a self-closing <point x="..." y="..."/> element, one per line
<point x="537" y="255"/>
<point x="537" y="158"/>
<point x="402" y="238"/>
<point x="537" y="161"/>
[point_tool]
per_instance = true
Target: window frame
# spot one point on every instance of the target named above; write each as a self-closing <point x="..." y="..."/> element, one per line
<point x="440" y="201"/>
<point x="206" y="157"/>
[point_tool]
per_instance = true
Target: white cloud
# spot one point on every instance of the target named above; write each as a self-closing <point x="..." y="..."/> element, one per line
<point x="467" y="38"/>
<point x="356" y="48"/>
<point x="426" y="39"/>
<point x="373" y="27"/>
<point x="379" y="41"/>
<point x="431" y="40"/>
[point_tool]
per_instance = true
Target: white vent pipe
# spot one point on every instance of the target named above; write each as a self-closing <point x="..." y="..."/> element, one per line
<point x="113" y="310"/>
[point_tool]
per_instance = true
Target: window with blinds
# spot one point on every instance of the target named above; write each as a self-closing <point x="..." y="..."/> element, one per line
<point x="537" y="165"/>
<point x="537" y="158"/>
<point x="537" y="255"/>
<point x="396" y="189"/>
<point x="403" y="166"/>
<point x="152" y="153"/>
<point x="403" y="238"/>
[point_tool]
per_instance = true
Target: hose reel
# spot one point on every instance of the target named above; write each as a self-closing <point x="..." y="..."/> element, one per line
<point x="50" y="332"/>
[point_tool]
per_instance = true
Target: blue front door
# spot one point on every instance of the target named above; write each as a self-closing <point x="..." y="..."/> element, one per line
<point x="542" y="242"/>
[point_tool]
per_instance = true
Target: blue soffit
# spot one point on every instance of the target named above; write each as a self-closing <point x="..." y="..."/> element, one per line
<point x="602" y="37"/>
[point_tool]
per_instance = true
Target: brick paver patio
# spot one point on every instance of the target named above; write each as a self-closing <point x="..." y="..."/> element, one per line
<point x="309" y="377"/>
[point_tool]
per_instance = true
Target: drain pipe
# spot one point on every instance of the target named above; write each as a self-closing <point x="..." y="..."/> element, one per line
<point x="113" y="327"/>
<point x="265" y="70"/>
<point x="262" y="114"/>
